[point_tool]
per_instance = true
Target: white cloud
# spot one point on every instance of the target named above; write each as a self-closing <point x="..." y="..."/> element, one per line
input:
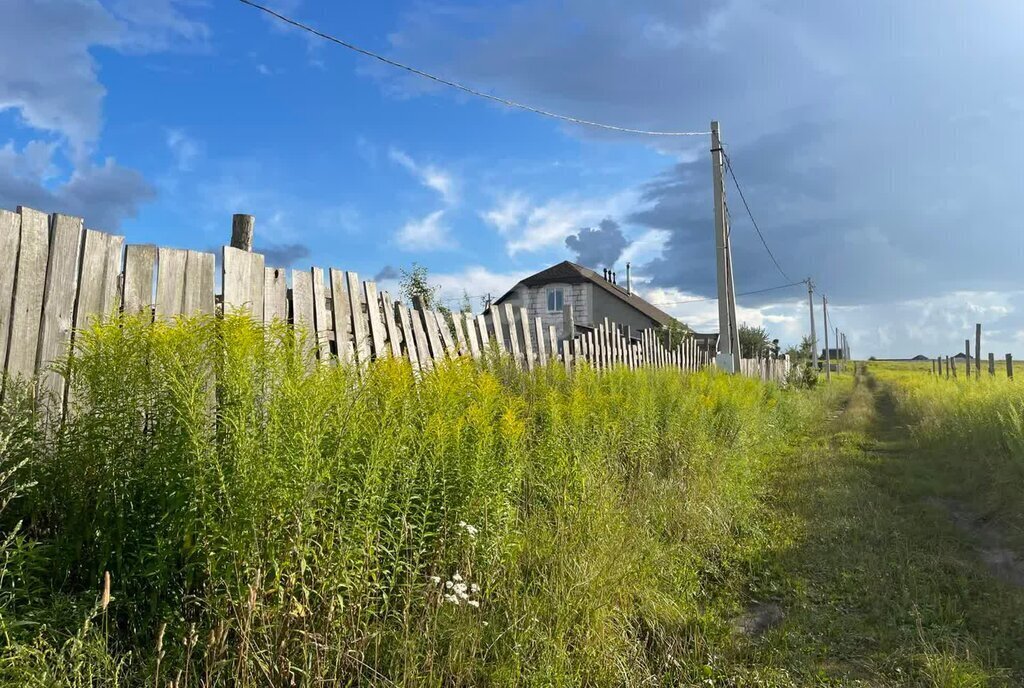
<point x="508" y="213"/>
<point x="547" y="225"/>
<point x="184" y="148"/>
<point x="429" y="176"/>
<point x="425" y="234"/>
<point x="646" y="247"/>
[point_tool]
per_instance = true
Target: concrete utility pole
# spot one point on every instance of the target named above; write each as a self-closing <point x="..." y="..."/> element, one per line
<point x="824" y="325"/>
<point x="840" y="351"/>
<point x="814" y="337"/>
<point x="243" y="229"/>
<point x="728" y="338"/>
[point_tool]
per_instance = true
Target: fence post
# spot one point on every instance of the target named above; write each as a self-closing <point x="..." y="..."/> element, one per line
<point x="1009" y="366"/>
<point x="977" y="351"/>
<point x="967" y="361"/>
<point x="952" y="366"/>
<point x="243" y="228"/>
<point x="991" y="363"/>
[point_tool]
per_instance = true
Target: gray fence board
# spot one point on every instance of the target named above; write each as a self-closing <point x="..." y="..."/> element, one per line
<point x="59" y="301"/>
<point x="10" y="238"/>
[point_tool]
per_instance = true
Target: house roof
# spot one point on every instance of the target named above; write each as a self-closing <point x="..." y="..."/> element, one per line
<point x="568" y="272"/>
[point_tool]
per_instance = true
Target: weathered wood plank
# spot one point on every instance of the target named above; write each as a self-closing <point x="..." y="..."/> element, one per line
<point x="139" y="266"/>
<point x="29" y="285"/>
<point x="497" y="329"/>
<point x="485" y="340"/>
<point x="394" y="334"/>
<point x="513" y="334"/>
<point x="199" y="296"/>
<point x="360" y="325"/>
<point x="10" y="238"/>
<point x="432" y="328"/>
<point x="377" y="336"/>
<point x="170" y="282"/>
<point x="321" y="318"/>
<point x="460" y="335"/>
<point x="524" y="319"/>
<point x="97" y="285"/>
<point x="408" y="336"/>
<point x="303" y="318"/>
<point x="542" y="355"/>
<point x="472" y="338"/>
<point x="236" y="280"/>
<point x="342" y="305"/>
<point x="553" y="342"/>
<point x="423" y="342"/>
<point x="275" y="295"/>
<point x="59" y="302"/>
<point x="446" y="334"/>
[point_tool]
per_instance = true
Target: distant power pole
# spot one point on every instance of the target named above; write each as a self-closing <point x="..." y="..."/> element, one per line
<point x="728" y="339"/>
<point x="814" y="337"/>
<point x="824" y="326"/>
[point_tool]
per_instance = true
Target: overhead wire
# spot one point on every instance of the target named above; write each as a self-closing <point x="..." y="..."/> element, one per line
<point x="728" y="166"/>
<point x="462" y="87"/>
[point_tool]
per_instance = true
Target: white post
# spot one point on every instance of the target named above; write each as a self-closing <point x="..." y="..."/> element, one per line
<point x="727" y="358"/>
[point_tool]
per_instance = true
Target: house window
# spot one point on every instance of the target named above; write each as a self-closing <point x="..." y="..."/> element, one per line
<point x="555" y="297"/>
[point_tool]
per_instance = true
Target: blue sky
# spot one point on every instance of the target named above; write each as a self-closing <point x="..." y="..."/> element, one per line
<point x="878" y="143"/>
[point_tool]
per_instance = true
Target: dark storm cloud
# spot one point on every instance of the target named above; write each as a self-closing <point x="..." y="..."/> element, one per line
<point x="104" y="195"/>
<point x="598" y="246"/>
<point x="283" y="255"/>
<point x="387" y="272"/>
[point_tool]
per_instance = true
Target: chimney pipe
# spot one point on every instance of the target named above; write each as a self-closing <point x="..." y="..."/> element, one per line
<point x="613" y="278"/>
<point x="604" y="273"/>
<point x="629" y="283"/>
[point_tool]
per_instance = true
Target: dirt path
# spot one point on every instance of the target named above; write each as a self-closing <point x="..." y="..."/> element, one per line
<point x="887" y="580"/>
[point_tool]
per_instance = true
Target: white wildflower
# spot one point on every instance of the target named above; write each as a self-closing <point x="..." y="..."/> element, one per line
<point x="457" y="578"/>
<point x="436" y="580"/>
<point x="474" y="588"/>
<point x="473" y="603"/>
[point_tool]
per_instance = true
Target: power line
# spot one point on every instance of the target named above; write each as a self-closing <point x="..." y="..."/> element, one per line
<point x="715" y="298"/>
<point x="728" y="165"/>
<point x="462" y="87"/>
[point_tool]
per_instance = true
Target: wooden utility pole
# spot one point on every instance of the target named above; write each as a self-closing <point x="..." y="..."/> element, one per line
<point x="243" y="229"/>
<point x="814" y="337"/>
<point x="967" y="361"/>
<point x="824" y="325"/>
<point x="728" y="338"/>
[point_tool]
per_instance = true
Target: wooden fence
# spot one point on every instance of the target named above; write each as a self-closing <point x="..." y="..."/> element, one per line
<point x="56" y="276"/>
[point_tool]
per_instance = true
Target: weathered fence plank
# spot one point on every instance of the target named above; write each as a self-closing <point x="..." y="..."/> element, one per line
<point x="199" y="283"/>
<point x="97" y="284"/>
<point x="485" y="341"/>
<point x="408" y="336"/>
<point x="377" y="337"/>
<point x="170" y="282"/>
<point x="10" y="238"/>
<point x="243" y="275"/>
<point x="322" y="320"/>
<point x="542" y="355"/>
<point x="302" y="307"/>
<point x="393" y="333"/>
<point x="59" y="297"/>
<point x="360" y="325"/>
<point x="139" y="264"/>
<point x="524" y="319"/>
<point x="342" y="307"/>
<point x="275" y="295"/>
<point x="471" y="335"/>
<point x="513" y="334"/>
<point x="423" y="343"/>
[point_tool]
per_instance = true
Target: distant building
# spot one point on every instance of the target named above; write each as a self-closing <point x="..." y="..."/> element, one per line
<point x="832" y="354"/>
<point x="593" y="296"/>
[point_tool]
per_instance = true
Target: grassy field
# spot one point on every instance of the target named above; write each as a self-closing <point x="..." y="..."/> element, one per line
<point x="491" y="527"/>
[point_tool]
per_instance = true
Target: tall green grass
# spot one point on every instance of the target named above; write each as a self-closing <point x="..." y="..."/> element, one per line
<point x="974" y="427"/>
<point x="479" y="525"/>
